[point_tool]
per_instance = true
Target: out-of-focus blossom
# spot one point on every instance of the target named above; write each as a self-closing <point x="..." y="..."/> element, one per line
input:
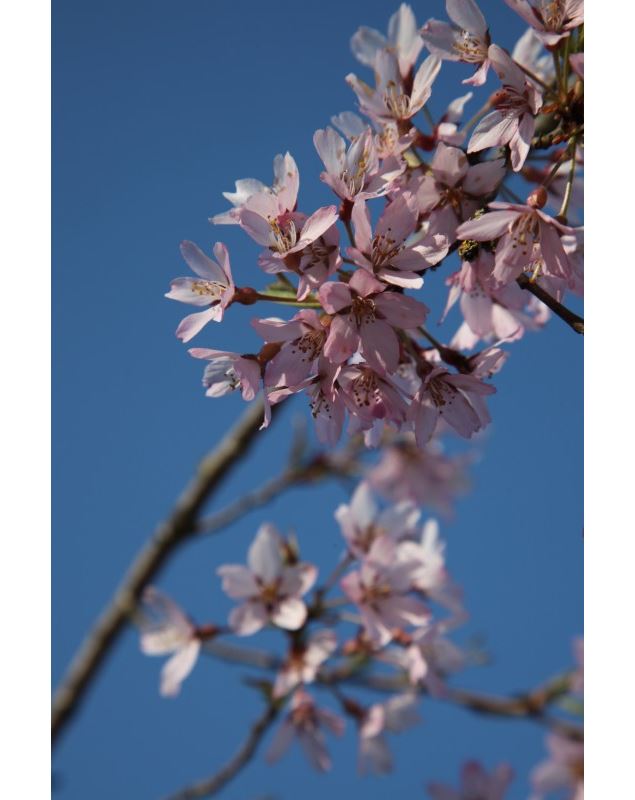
<point x="391" y="99"/>
<point x="577" y="64"/>
<point x="396" y="251"/>
<point x="563" y="771"/>
<point x="467" y="39"/>
<point x="577" y="680"/>
<point x="551" y="19"/>
<point x="525" y="235"/>
<point x="512" y="121"/>
<point x="168" y="630"/>
<point x="425" y="476"/>
<point x="490" y="311"/>
<point x="380" y="589"/>
<point x="306" y="723"/>
<point x="403" y="41"/>
<point x="529" y="51"/>
<point x="303" y="662"/>
<point x="447" y="129"/>
<point x="366" y="317"/>
<point x="476" y="784"/>
<point x="453" y="190"/>
<point x="285" y="185"/>
<point x="214" y="287"/>
<point x="362" y="521"/>
<point x="355" y="171"/>
<point x="270" y="587"/>
<point x="430" y="575"/>
<point x="393" y="716"/>
<point x="227" y="372"/>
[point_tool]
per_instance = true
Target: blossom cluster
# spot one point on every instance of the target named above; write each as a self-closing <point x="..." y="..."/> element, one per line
<point x="408" y="195"/>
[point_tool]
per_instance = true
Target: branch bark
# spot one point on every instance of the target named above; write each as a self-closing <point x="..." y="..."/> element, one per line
<point x="573" y="320"/>
<point x="180" y="526"/>
<point x="210" y="786"/>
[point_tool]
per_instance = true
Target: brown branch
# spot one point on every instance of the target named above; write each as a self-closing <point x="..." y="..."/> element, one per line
<point x="573" y="320"/>
<point x="212" y="785"/>
<point x="180" y="525"/>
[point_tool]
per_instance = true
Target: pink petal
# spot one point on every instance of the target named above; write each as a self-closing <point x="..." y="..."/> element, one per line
<point x="248" y="618"/>
<point x="178" y="668"/>
<point x="289" y="614"/>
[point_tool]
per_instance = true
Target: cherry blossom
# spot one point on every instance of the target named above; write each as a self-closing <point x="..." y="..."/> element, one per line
<point x="227" y="372"/>
<point x="381" y="590"/>
<point x="551" y="19"/>
<point x="362" y="521"/>
<point x="305" y="722"/>
<point x="214" y="288"/>
<point x="270" y="586"/>
<point x="366" y="317"/>
<point x="466" y="40"/>
<point x="169" y="630"/>
<point x="393" y="716"/>
<point x="303" y="662"/>
<point x="403" y="40"/>
<point x="564" y="769"/>
<point x="512" y="121"/>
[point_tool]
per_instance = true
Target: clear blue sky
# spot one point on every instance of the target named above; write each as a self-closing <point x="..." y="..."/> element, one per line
<point x="158" y="107"/>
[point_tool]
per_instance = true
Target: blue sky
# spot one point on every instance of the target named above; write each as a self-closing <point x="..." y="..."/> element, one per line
<point x="158" y="107"/>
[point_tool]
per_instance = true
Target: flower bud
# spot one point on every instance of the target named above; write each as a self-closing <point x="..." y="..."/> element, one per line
<point x="538" y="198"/>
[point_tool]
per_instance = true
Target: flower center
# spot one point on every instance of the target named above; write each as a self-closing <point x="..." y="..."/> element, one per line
<point x="525" y="232"/>
<point x="384" y="248"/>
<point x="285" y="234"/>
<point x="213" y="289"/>
<point x="509" y="101"/>
<point x="354" y="181"/>
<point x="552" y="13"/>
<point x="396" y="101"/>
<point x="470" y="48"/>
<point x="309" y="345"/>
<point x="365" y="389"/>
<point x="363" y="310"/>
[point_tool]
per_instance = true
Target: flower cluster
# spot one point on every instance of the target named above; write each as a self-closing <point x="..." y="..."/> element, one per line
<point x="358" y="347"/>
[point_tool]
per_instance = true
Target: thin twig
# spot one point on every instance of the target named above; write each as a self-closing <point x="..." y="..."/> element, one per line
<point x="573" y="320"/>
<point x="210" y="786"/>
<point x="180" y="525"/>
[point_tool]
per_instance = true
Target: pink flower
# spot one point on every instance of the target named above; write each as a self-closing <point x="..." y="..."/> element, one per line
<point x="285" y="186"/>
<point x="391" y="99"/>
<point x="227" y="372"/>
<point x="380" y="589"/>
<point x="169" y="631"/>
<point x="490" y="311"/>
<point x="454" y="190"/>
<point x="328" y="408"/>
<point x="466" y="40"/>
<point x="552" y="20"/>
<point x="303" y="662"/>
<point x="366" y="317"/>
<point x="395" y="715"/>
<point x="270" y="586"/>
<point x="387" y="140"/>
<point x="371" y="397"/>
<point x="447" y="129"/>
<point x="476" y="783"/>
<point x="267" y="220"/>
<point x="356" y="171"/>
<point x="563" y="770"/>
<point x="214" y="288"/>
<point x="526" y="236"/>
<point x="362" y="522"/>
<point x="530" y="53"/>
<point x="397" y="250"/>
<point x="305" y="722"/>
<point x="515" y="106"/>
<point x="431" y="658"/>
<point x="302" y="340"/>
<point x="457" y="399"/>
<point x="422" y="475"/>
<point x="429" y="575"/>
<point x="403" y="40"/>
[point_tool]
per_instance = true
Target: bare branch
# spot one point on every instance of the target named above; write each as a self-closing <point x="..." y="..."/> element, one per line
<point x="210" y="786"/>
<point x="572" y="319"/>
<point x="180" y="525"/>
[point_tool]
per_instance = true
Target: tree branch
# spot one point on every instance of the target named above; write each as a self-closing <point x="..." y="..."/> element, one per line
<point x="573" y="320"/>
<point x="212" y="785"/>
<point x="180" y="525"/>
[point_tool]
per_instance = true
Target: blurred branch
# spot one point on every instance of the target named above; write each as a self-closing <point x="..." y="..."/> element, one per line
<point x="572" y="320"/>
<point x="212" y="785"/>
<point x="530" y="705"/>
<point x="180" y="526"/>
